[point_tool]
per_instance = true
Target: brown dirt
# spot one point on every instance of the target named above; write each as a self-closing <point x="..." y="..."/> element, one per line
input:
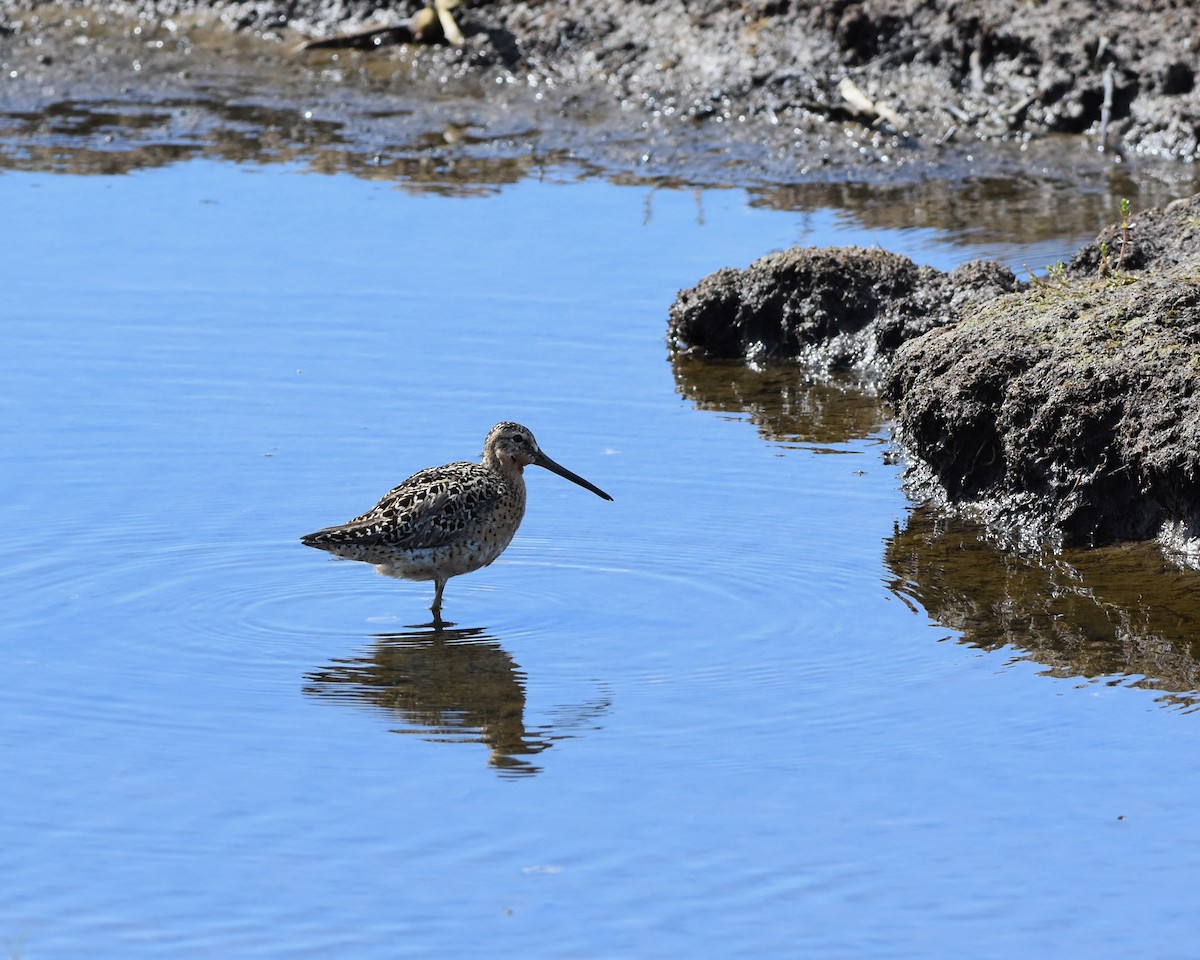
<point x="657" y="84"/>
<point x="1070" y="409"/>
<point x="838" y="308"/>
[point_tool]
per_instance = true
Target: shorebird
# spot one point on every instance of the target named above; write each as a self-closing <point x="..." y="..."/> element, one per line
<point x="445" y="521"/>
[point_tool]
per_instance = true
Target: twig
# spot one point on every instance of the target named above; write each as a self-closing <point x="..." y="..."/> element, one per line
<point x="863" y="104"/>
<point x="1106" y="107"/>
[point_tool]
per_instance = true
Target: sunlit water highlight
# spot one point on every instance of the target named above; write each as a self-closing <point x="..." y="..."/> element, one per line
<point x="703" y="720"/>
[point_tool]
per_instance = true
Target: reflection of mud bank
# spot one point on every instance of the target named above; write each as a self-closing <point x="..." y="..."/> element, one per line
<point x="1113" y="612"/>
<point x="786" y="403"/>
<point x="1066" y="409"/>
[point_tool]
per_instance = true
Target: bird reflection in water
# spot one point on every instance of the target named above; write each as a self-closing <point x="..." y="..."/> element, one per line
<point x="450" y="685"/>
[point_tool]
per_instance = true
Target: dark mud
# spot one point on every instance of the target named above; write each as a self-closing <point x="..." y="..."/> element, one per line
<point x="1070" y="409"/>
<point x="888" y="90"/>
<point x="836" y="308"/>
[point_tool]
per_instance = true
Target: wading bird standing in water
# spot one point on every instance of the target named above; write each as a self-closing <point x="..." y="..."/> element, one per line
<point x="446" y="521"/>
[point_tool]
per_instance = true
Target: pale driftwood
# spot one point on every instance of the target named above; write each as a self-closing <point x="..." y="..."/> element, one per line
<point x="863" y="104"/>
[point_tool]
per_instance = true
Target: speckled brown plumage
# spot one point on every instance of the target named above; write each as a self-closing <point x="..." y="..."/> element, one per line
<point x="445" y="521"/>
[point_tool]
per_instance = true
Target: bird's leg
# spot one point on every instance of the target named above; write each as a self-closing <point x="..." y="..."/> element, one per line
<point x="437" y="598"/>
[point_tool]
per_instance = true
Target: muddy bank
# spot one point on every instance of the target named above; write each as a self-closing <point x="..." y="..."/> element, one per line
<point x="1062" y="409"/>
<point x="1070" y="409"/>
<point x="889" y="89"/>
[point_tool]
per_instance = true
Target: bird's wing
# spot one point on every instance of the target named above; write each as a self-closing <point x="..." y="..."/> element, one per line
<point x="427" y="510"/>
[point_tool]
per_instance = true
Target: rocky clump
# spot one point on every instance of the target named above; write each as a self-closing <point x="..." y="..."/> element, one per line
<point x="841" y="308"/>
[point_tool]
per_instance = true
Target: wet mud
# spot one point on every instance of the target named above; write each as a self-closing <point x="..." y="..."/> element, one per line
<point x="893" y="91"/>
<point x="839" y="308"/>
<point x="1070" y="410"/>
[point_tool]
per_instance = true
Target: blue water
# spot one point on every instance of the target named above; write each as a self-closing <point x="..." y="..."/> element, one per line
<point x="693" y="722"/>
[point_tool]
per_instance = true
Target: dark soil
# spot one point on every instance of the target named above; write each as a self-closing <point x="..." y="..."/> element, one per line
<point x="839" y="308"/>
<point x="1071" y="409"/>
<point x="888" y="88"/>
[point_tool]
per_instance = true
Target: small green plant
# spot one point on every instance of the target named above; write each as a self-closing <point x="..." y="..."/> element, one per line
<point x="1056" y="276"/>
<point x="1115" y="272"/>
<point x="1124" y="233"/>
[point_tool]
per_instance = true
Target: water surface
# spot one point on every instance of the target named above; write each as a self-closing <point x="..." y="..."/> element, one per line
<point x="725" y="715"/>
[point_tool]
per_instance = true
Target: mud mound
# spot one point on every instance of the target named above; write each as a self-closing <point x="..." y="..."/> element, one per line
<point x="841" y="307"/>
<point x="1071" y="409"/>
<point x="1066" y="409"/>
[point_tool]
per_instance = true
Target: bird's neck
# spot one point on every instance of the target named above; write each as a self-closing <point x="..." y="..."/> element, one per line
<point x="505" y="467"/>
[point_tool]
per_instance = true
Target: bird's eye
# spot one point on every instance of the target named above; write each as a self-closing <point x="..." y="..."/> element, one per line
<point x="518" y="439"/>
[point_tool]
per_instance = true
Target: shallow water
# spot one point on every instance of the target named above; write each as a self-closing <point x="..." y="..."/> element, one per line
<point x="711" y="718"/>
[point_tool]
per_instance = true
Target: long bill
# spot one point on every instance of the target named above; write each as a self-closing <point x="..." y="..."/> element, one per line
<point x="544" y="461"/>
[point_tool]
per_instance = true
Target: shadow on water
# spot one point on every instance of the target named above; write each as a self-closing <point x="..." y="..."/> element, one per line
<point x="1121" y="614"/>
<point x="451" y="685"/>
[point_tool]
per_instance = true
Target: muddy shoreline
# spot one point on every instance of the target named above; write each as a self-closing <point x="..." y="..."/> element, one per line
<point x="884" y="91"/>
